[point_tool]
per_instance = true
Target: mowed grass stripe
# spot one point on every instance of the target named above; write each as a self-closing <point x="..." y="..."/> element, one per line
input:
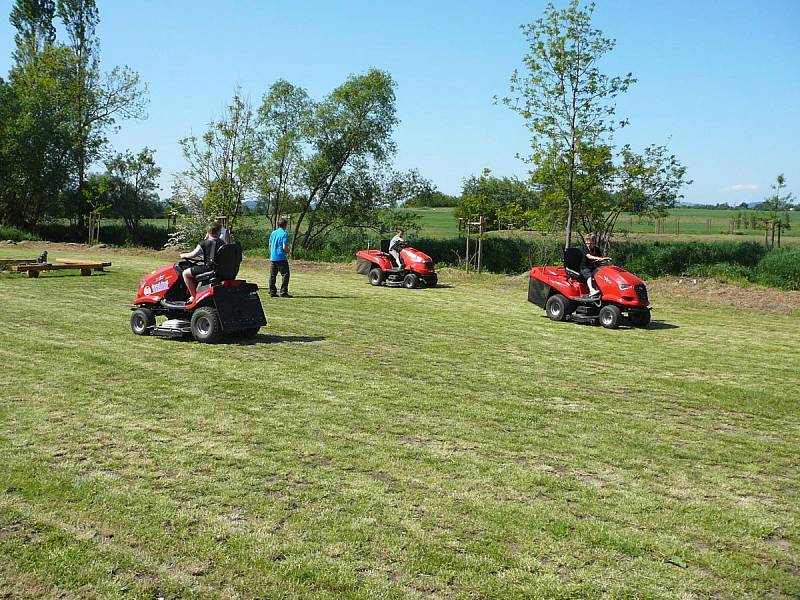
<point x="390" y="443"/>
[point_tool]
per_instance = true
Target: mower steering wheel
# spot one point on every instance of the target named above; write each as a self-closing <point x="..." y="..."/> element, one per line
<point x="186" y="263"/>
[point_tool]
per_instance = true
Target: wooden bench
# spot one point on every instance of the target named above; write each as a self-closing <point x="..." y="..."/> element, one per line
<point x="86" y="267"/>
<point x="5" y="262"/>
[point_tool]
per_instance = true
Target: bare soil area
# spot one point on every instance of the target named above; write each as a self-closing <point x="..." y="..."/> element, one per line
<point x="710" y="291"/>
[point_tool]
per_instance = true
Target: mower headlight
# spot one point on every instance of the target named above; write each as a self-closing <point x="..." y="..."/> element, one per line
<point x="624" y="286"/>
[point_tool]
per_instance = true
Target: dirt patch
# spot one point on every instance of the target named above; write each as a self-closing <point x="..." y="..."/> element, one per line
<point x="709" y="291"/>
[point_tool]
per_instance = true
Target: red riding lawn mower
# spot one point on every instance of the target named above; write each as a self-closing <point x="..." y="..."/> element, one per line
<point x="379" y="266"/>
<point x="562" y="292"/>
<point x="223" y="305"/>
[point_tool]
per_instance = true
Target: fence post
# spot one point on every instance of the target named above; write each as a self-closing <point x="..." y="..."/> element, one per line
<point x="480" y="243"/>
<point x="467" y="257"/>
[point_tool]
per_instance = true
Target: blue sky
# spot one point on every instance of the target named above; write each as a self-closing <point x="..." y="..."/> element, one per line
<point x="719" y="80"/>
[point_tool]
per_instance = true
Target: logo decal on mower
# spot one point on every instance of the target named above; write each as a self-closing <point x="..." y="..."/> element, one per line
<point x="157" y="287"/>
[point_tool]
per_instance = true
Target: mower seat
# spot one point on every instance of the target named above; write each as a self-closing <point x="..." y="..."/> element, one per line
<point x="573" y="260"/>
<point x="226" y="264"/>
<point x="385" y="246"/>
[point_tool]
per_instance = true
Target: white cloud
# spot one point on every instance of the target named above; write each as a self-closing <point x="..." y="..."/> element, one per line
<point x="741" y="187"/>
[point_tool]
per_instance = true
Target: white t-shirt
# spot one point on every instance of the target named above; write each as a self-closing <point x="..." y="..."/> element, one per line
<point x="395" y="239"/>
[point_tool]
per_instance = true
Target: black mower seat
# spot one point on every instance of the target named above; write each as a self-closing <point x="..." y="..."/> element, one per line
<point x="385" y="246"/>
<point x="226" y="264"/>
<point x="573" y="260"/>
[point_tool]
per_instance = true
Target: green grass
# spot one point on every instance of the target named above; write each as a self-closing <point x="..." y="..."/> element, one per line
<point x="437" y="222"/>
<point x="387" y="443"/>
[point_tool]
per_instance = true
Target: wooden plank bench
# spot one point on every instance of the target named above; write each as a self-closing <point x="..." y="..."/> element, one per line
<point x="4" y="262"/>
<point x="86" y="267"/>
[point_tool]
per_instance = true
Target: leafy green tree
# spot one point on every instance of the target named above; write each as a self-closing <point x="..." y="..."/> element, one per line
<point x="33" y="20"/>
<point x="567" y="102"/>
<point x="495" y="199"/>
<point x="99" y="99"/>
<point x="352" y="125"/>
<point x="644" y="184"/>
<point x="606" y="186"/>
<point x="563" y="96"/>
<point x="433" y="199"/>
<point x="36" y="139"/>
<point x="778" y="201"/>
<point x="221" y="163"/>
<point x="283" y="126"/>
<point x="365" y="198"/>
<point x="131" y="187"/>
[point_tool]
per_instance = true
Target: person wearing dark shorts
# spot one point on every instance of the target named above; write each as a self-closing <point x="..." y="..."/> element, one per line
<point x="208" y="250"/>
<point x="279" y="260"/>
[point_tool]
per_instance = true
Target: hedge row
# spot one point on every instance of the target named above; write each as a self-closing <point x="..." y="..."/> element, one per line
<point x="149" y="236"/>
<point x="16" y="235"/>
<point x="736" y="260"/>
<point x="749" y="261"/>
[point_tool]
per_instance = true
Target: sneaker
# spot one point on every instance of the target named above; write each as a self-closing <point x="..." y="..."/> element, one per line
<point x="190" y="300"/>
<point x="273" y="295"/>
<point x="286" y="296"/>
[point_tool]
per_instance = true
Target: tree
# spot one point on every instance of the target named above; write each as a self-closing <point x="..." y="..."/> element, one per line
<point x="585" y="183"/>
<point x="777" y="201"/>
<point x="33" y="20"/>
<point x="352" y="125"/>
<point x="364" y="198"/>
<point x="221" y="167"/>
<point x="564" y="98"/>
<point x="99" y="99"/>
<point x="495" y="199"/>
<point x="283" y="127"/>
<point x="130" y="187"/>
<point x="36" y="137"/>
<point x="433" y="199"/>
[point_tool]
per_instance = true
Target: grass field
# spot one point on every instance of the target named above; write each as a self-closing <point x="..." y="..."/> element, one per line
<point x="388" y="443"/>
<point x="684" y="224"/>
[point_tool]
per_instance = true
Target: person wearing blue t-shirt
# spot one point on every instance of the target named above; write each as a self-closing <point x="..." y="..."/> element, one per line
<point x="278" y="245"/>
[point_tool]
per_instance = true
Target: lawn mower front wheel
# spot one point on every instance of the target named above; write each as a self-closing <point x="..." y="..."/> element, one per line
<point x="557" y="307"/>
<point x="610" y="316"/>
<point x="142" y="321"/>
<point x="375" y="276"/>
<point x="206" y="326"/>
<point x="410" y="281"/>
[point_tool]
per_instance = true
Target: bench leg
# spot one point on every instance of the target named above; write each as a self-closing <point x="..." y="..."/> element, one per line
<point x="33" y="274"/>
<point x="86" y="272"/>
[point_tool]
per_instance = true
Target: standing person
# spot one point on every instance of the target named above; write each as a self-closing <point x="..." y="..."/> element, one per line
<point x="593" y="256"/>
<point x="208" y="250"/>
<point x="279" y="260"/>
<point x="393" y="250"/>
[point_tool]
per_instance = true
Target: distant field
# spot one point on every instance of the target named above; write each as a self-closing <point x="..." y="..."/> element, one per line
<point x="437" y="222"/>
<point x="682" y="224"/>
<point x="689" y="221"/>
